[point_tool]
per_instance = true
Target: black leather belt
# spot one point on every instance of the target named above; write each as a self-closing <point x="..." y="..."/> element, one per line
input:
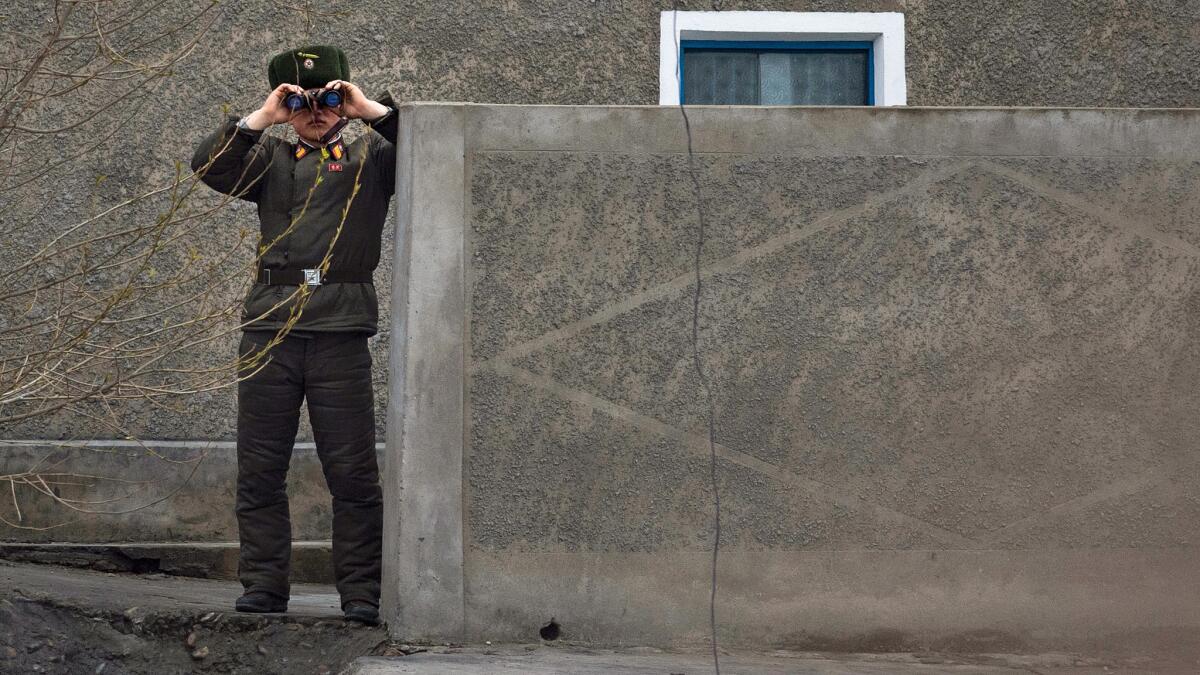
<point x="273" y="277"/>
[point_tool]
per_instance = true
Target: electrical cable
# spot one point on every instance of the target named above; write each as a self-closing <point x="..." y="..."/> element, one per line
<point x="704" y="383"/>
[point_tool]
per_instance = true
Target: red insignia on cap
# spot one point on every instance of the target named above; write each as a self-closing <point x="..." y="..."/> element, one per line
<point x="335" y="166"/>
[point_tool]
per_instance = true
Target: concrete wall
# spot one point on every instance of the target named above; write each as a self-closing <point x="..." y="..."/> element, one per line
<point x="954" y="357"/>
<point x="146" y="491"/>
<point x="996" y="52"/>
<point x="1122" y="53"/>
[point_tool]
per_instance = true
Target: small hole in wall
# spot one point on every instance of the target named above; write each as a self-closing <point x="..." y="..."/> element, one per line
<point x="550" y="631"/>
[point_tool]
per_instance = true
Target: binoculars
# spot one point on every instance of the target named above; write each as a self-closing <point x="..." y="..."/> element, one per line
<point x="324" y="98"/>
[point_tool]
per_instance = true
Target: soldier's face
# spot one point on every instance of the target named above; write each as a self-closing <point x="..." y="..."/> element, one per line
<point x="311" y="125"/>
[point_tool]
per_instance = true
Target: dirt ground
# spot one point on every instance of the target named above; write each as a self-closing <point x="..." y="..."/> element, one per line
<point x="40" y="636"/>
<point x="57" y="620"/>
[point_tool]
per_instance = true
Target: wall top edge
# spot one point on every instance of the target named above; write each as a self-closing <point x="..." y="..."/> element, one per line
<point x="871" y="110"/>
<point x="1166" y="133"/>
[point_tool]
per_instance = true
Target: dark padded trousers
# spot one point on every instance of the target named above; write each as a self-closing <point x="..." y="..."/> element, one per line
<point x="333" y="371"/>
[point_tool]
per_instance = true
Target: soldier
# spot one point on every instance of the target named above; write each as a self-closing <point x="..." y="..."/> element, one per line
<point x="319" y="244"/>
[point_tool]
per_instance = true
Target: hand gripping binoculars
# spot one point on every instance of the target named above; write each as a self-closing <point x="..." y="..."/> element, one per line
<point x="321" y="98"/>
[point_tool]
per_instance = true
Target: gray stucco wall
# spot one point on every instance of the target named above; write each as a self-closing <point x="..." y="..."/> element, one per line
<point x="1103" y="53"/>
<point x="1025" y="53"/>
<point x="953" y="353"/>
<point x="958" y="53"/>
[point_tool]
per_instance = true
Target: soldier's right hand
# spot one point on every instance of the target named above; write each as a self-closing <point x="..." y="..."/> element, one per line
<point x="273" y="110"/>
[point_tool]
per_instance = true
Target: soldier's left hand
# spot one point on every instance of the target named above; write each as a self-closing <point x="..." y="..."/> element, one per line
<point x="355" y="104"/>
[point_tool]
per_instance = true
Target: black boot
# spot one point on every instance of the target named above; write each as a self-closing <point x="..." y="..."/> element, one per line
<point x="362" y="612"/>
<point x="260" y="602"/>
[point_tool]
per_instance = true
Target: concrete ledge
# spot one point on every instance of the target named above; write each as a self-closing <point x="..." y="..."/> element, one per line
<point x="311" y="561"/>
<point x="835" y="131"/>
<point x="148" y="491"/>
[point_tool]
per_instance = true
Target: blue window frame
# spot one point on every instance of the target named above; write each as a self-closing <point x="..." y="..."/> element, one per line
<point x="776" y="73"/>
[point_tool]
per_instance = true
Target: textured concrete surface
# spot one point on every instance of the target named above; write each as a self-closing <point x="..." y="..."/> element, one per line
<point x="953" y="357"/>
<point x="992" y="52"/>
<point x="996" y="52"/>
<point x="147" y="492"/>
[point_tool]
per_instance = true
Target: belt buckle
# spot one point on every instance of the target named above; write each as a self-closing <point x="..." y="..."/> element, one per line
<point x="312" y="277"/>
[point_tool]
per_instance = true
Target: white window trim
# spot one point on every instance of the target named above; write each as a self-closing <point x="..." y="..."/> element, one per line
<point x="885" y="30"/>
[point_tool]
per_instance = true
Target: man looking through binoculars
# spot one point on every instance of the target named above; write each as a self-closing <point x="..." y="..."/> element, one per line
<point x="321" y="208"/>
<point x="314" y="113"/>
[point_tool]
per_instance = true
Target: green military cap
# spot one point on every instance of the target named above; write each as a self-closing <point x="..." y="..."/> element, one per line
<point x="309" y="67"/>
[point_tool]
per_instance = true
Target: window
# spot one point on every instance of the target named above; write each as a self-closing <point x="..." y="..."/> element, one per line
<point x="782" y="58"/>
<point x="777" y="73"/>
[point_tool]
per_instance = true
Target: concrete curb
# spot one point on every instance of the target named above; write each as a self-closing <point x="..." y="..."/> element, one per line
<point x="311" y="561"/>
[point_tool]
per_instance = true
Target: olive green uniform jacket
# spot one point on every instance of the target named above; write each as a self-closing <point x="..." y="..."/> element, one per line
<point x="300" y="206"/>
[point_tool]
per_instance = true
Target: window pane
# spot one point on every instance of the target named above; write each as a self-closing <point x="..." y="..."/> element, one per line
<point x="828" y="78"/>
<point x="720" y="77"/>
<point x="775" y="87"/>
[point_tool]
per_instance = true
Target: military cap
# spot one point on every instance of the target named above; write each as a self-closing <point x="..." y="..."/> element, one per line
<point x="310" y="67"/>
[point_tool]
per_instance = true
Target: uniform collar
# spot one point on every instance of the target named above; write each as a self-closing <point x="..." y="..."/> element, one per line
<point x="335" y="149"/>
